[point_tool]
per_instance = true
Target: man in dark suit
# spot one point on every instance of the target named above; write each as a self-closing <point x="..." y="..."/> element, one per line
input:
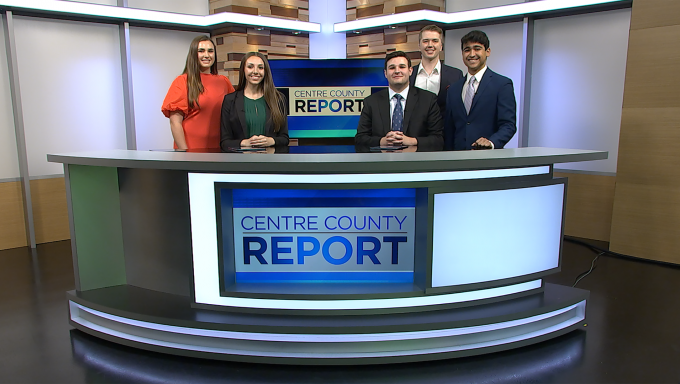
<point x="481" y="108"/>
<point x="431" y="74"/>
<point x="400" y="115"/>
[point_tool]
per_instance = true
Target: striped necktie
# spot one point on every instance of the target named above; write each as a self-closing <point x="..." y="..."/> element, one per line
<point x="470" y="94"/>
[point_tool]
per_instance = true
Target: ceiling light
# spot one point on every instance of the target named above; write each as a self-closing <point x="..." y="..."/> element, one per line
<point x="529" y="8"/>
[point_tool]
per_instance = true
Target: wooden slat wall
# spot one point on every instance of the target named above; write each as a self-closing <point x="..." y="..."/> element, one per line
<point x="12" y="226"/>
<point x="234" y="42"/>
<point x="50" y="215"/>
<point x="357" y="9"/>
<point x="646" y="216"/>
<point x="291" y="9"/>
<point x="590" y="200"/>
<point x="377" y="44"/>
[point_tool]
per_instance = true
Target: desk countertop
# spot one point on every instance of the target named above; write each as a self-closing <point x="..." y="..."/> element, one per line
<point x="302" y="163"/>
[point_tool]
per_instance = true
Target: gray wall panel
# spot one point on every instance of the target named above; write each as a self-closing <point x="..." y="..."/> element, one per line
<point x="9" y="163"/>
<point x="154" y="208"/>
<point x="576" y="89"/>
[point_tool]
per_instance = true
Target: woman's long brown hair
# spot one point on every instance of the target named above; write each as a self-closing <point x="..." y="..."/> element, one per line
<point x="273" y="98"/>
<point x="193" y="71"/>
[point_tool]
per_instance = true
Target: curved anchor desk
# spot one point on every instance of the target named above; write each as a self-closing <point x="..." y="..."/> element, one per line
<point x="164" y="259"/>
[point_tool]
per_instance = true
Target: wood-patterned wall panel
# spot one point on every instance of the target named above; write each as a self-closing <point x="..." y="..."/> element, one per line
<point x="391" y="5"/>
<point x="287" y="9"/>
<point x="370" y="11"/>
<point x="238" y="9"/>
<point x="379" y="44"/>
<point x="590" y="200"/>
<point x="234" y="42"/>
<point x="290" y="39"/>
<point x="655" y="13"/>
<point x="415" y="7"/>
<point x="652" y="75"/>
<point x="50" y="212"/>
<point x="404" y="38"/>
<point x="645" y="222"/>
<point x="366" y="38"/>
<point x="12" y="225"/>
<point x="50" y="215"/>
<point x="645" y="137"/>
<point x="646" y="214"/>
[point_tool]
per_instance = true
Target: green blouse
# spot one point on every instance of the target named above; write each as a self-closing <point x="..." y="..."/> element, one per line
<point x="256" y="115"/>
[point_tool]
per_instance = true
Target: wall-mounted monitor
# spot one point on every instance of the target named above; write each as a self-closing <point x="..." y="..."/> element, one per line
<point x="325" y="97"/>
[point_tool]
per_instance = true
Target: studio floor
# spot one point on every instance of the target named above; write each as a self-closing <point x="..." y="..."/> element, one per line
<point x="632" y="335"/>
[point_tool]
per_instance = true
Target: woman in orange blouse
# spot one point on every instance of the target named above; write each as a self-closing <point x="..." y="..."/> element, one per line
<point x="194" y="100"/>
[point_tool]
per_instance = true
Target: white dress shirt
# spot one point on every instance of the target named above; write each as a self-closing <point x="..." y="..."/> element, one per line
<point x="429" y="82"/>
<point x="393" y="102"/>
<point x="478" y="77"/>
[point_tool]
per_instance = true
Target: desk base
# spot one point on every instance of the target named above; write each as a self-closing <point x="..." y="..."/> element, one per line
<point x="167" y="323"/>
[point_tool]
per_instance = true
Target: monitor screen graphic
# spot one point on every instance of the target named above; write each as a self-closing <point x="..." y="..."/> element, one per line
<point x="318" y="236"/>
<point x="325" y="97"/>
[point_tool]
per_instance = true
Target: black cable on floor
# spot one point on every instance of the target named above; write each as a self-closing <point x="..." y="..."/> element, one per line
<point x="601" y="252"/>
<point x="595" y="248"/>
<point x="584" y="274"/>
<point x="607" y="252"/>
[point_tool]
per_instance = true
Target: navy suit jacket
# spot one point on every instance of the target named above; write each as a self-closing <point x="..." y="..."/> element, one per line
<point x="449" y="76"/>
<point x="422" y="119"/>
<point x="492" y="114"/>
<point x="233" y="127"/>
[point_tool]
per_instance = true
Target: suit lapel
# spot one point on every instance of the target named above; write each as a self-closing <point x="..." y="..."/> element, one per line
<point x="442" y="75"/>
<point x="241" y="111"/>
<point x="411" y="101"/>
<point x="459" y="98"/>
<point x="384" y="110"/>
<point x="414" y="74"/>
<point x="483" y="84"/>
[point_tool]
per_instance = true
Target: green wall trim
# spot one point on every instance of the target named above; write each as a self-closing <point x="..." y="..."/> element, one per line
<point x="96" y="218"/>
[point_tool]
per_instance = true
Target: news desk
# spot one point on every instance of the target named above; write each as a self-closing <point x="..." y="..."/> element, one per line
<point x="320" y="258"/>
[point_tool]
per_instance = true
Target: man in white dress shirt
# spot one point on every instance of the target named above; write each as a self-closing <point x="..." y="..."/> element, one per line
<point x="400" y="115"/>
<point x="431" y="74"/>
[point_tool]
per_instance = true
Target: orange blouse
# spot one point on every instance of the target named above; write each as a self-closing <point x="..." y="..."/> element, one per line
<point x="201" y="126"/>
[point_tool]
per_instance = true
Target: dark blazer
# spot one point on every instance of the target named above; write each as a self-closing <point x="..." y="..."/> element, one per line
<point x="233" y="126"/>
<point x="449" y="76"/>
<point x="422" y="119"/>
<point x="492" y="114"/>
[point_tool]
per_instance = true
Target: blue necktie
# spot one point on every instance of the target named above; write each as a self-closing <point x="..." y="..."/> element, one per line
<point x="398" y="114"/>
<point x="469" y="95"/>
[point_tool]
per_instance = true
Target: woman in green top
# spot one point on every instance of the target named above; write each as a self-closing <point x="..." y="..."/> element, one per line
<point x="254" y="115"/>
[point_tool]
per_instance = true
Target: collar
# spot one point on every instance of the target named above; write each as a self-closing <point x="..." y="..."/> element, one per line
<point x="402" y="93"/>
<point x="478" y="76"/>
<point x="437" y="67"/>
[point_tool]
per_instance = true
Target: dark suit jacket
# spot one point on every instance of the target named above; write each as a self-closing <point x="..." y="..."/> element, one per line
<point x="422" y="119"/>
<point x="492" y="114"/>
<point x="449" y="76"/>
<point x="233" y="126"/>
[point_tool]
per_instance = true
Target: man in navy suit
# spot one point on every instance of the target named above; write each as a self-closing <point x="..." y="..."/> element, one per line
<point x="481" y="108"/>
<point x="431" y="74"/>
<point x="400" y="115"/>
